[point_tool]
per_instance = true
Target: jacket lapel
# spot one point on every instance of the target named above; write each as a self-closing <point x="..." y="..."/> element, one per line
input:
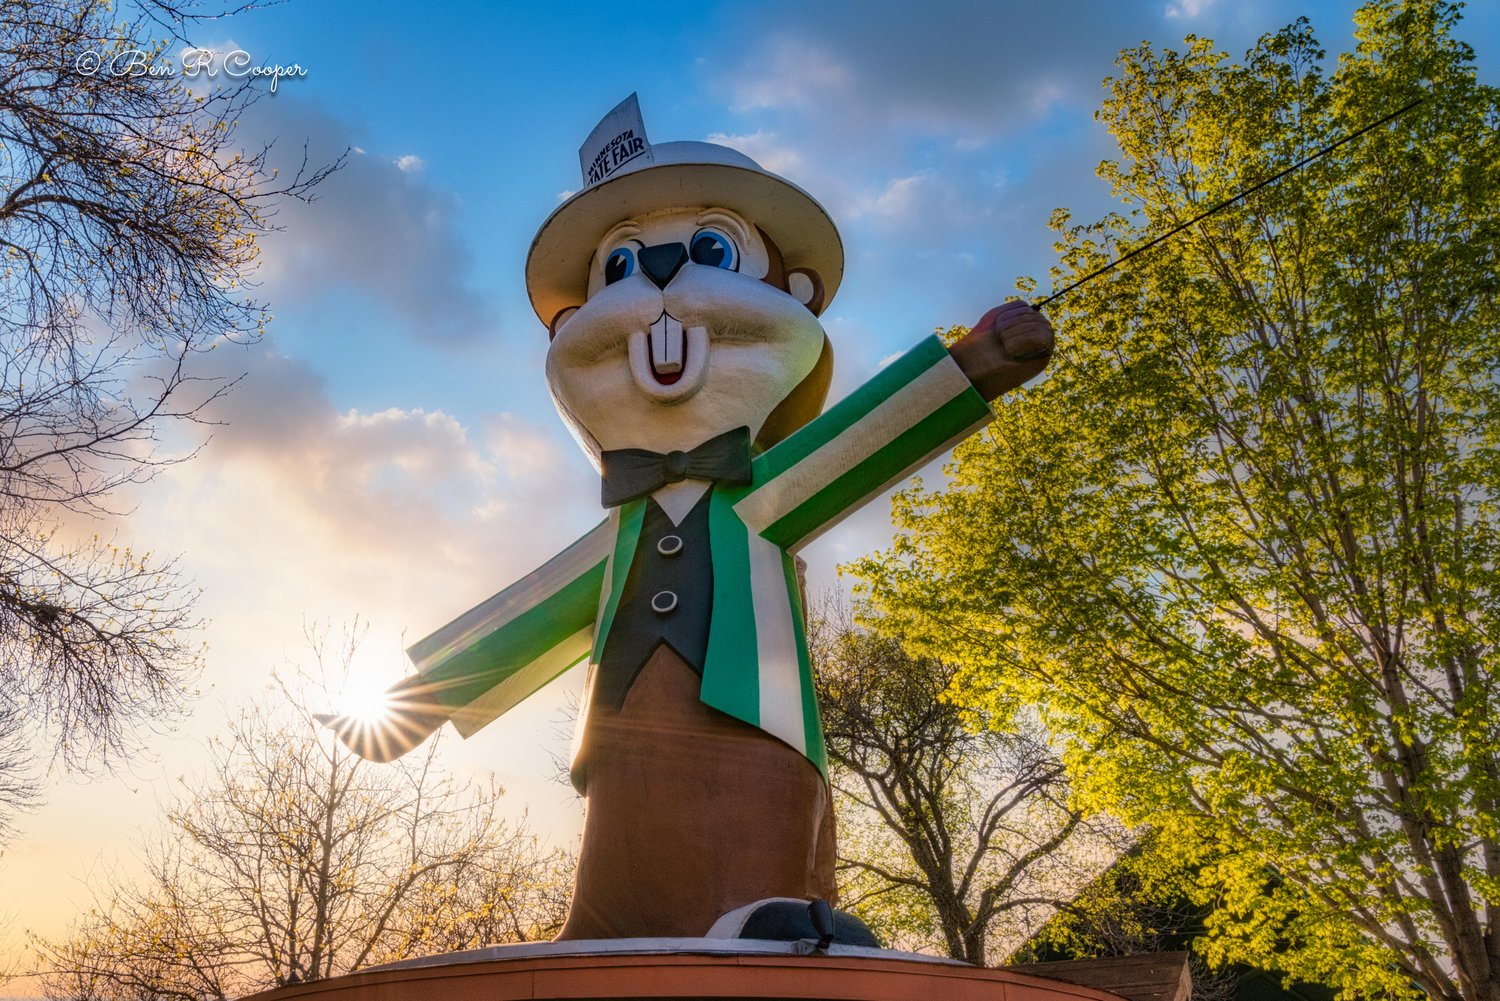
<point x="627" y="520"/>
<point x="731" y="682"/>
<point x="756" y="667"/>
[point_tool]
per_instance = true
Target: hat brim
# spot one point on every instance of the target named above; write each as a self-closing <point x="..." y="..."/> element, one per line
<point x="557" y="266"/>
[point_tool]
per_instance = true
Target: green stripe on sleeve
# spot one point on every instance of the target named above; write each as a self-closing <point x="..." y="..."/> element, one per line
<point x="911" y="448"/>
<point x="472" y="672"/>
<point x="848" y="411"/>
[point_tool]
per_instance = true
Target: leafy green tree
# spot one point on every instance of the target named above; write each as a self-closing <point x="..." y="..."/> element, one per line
<point x="955" y="834"/>
<point x="1145" y="903"/>
<point x="1139" y="905"/>
<point x="1240" y="546"/>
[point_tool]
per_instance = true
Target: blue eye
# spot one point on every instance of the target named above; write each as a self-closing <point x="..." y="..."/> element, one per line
<point x="619" y="264"/>
<point x="714" y="249"/>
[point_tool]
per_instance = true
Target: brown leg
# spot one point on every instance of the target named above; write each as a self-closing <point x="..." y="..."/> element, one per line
<point x="691" y="813"/>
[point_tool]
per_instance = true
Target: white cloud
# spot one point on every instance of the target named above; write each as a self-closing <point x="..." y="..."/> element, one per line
<point x="902" y="195"/>
<point x="978" y="70"/>
<point x="791" y="70"/>
<point x="921" y="127"/>
<point x="396" y="486"/>
<point x="302" y="511"/>
<point x="765" y="148"/>
<point x="1187" y="9"/>
<point x="930" y="211"/>
<point x="377" y="226"/>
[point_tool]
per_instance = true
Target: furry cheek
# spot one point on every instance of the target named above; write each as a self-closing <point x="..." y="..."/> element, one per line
<point x="600" y="326"/>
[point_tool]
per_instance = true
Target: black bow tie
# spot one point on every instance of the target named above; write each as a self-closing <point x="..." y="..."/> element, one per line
<point x="635" y="472"/>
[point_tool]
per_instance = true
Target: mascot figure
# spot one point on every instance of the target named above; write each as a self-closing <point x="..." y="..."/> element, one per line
<point x="682" y="288"/>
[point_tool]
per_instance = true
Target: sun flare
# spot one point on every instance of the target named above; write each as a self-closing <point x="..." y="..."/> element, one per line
<point x="368" y="702"/>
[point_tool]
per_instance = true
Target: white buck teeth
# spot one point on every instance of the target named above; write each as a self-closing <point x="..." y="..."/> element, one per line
<point x="664" y="349"/>
<point x="666" y="344"/>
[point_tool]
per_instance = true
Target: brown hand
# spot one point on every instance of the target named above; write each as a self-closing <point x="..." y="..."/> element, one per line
<point x="1010" y="344"/>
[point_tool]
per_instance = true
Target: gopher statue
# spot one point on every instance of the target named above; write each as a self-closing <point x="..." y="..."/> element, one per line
<point x="681" y="288"/>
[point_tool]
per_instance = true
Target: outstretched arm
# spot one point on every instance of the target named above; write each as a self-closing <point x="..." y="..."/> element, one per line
<point x="492" y="656"/>
<point x="913" y="409"/>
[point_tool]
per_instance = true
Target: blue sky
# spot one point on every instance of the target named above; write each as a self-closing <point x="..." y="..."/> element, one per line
<point x="392" y="453"/>
<point x="940" y="136"/>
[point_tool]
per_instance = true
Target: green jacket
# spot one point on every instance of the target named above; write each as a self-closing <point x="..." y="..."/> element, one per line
<point x="756" y="667"/>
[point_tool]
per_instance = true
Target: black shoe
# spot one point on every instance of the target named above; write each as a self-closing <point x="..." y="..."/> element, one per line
<point x="786" y="919"/>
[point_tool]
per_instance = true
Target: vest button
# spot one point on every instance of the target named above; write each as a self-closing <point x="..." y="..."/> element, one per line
<point x="669" y="545"/>
<point x="664" y="602"/>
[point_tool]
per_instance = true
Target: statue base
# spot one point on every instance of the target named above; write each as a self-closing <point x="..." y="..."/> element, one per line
<point x="686" y="968"/>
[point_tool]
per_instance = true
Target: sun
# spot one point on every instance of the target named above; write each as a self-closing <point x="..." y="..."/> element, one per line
<point x="365" y="698"/>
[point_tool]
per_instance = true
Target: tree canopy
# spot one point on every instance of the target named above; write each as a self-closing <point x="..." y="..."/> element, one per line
<point x="129" y="215"/>
<point x="1240" y="545"/>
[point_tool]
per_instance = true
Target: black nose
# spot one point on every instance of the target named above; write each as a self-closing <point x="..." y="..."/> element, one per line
<point x="663" y="261"/>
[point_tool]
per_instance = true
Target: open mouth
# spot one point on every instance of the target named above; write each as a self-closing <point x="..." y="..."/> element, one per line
<point x="669" y="361"/>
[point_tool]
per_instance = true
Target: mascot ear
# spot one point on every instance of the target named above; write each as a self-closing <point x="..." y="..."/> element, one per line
<point x="802" y="404"/>
<point x="806" y="286"/>
<point x="558" y="320"/>
<point x="803" y="284"/>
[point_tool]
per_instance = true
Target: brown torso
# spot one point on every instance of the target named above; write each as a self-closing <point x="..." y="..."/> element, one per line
<point x="690" y="813"/>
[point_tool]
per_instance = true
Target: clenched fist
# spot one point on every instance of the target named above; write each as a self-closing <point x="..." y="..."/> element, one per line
<point x="1010" y="344"/>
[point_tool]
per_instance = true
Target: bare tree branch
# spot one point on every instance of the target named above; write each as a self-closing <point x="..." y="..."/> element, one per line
<point x="129" y="219"/>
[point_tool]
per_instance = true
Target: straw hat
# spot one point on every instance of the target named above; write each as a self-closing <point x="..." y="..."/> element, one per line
<point x="625" y="175"/>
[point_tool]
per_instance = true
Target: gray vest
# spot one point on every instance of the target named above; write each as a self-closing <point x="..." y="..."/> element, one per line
<point x="667" y="598"/>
